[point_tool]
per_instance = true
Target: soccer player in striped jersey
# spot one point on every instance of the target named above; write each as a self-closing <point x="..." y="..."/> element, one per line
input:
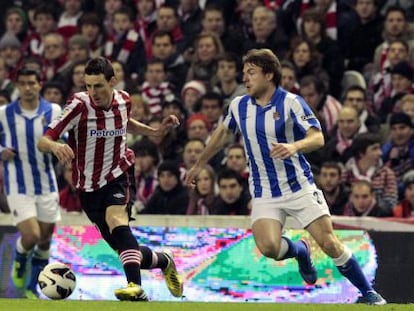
<point x="277" y="128"/>
<point x="103" y="170"/>
<point x="29" y="177"/>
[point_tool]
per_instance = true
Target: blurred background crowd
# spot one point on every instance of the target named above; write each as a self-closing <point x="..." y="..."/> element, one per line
<point x="351" y="60"/>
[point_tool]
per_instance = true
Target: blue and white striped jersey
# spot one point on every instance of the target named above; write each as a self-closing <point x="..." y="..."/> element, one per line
<point x="285" y="119"/>
<point x="30" y="172"/>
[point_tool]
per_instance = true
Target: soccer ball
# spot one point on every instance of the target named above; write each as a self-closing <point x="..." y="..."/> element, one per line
<point x="57" y="281"/>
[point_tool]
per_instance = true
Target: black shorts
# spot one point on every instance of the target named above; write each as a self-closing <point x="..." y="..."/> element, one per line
<point x="120" y="191"/>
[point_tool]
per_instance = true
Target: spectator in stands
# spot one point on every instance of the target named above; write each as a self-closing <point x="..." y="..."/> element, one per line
<point x="266" y="33"/>
<point x="5" y="83"/>
<point x="356" y="97"/>
<point x="90" y="26"/>
<point x="306" y="60"/>
<point x="170" y="196"/>
<point x="167" y="20"/>
<point x="366" y="165"/>
<point x="53" y="92"/>
<point x="395" y="27"/>
<point x="190" y="15"/>
<point x="325" y="106"/>
<point x="231" y="199"/>
<point x="398" y="152"/>
<point x="202" y="196"/>
<point x="332" y="58"/>
<point x="164" y="48"/>
<point x="191" y="93"/>
<point x="405" y="208"/>
<point x="54" y="54"/>
<point x="207" y="47"/>
<point x="68" y="196"/>
<point x="336" y="194"/>
<point x="172" y="105"/>
<point x="289" y="81"/>
<point x="123" y="81"/>
<point x="191" y="153"/>
<point x="78" y="51"/>
<point x="166" y="147"/>
<point x="45" y="19"/>
<point x="10" y="51"/>
<point x="407" y="105"/>
<point x="402" y="83"/>
<point x="146" y="22"/>
<point x="16" y="22"/>
<point x="198" y="127"/>
<point x="362" y="201"/>
<point x="68" y="19"/>
<point x="146" y="162"/>
<point x="366" y="35"/>
<point x="228" y="86"/>
<point x="236" y="160"/>
<point x="380" y="83"/>
<point x="110" y="7"/>
<point x="155" y="87"/>
<point x="125" y="45"/>
<point x="213" y="21"/>
<point x="211" y="106"/>
<point x="77" y="80"/>
<point x="242" y="23"/>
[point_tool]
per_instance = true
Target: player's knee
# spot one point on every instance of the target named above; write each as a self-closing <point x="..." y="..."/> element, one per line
<point x="31" y="238"/>
<point x="268" y="249"/>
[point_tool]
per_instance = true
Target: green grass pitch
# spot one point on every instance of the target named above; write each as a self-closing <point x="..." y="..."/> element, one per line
<point x="71" y="305"/>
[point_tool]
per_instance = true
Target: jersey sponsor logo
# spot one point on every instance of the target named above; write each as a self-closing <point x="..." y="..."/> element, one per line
<point x="308" y="117"/>
<point x="107" y="133"/>
<point x="276" y="115"/>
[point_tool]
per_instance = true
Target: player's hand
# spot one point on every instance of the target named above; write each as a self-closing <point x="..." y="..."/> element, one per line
<point x="63" y="153"/>
<point x="191" y="177"/>
<point x="282" y="151"/>
<point x="168" y="122"/>
<point x="7" y="154"/>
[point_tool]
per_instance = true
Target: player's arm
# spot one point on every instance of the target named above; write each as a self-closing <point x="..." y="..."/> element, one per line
<point x="216" y="143"/>
<point x="62" y="151"/>
<point x="138" y="128"/>
<point x="312" y="141"/>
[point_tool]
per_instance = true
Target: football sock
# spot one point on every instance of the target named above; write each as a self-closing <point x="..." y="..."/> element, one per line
<point x="349" y="268"/>
<point x="290" y="249"/>
<point x="129" y="253"/>
<point x="151" y="259"/>
<point x="40" y="259"/>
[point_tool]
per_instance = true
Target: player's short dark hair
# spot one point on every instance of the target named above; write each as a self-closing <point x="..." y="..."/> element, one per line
<point x="28" y="72"/>
<point x="267" y="60"/>
<point x="100" y="65"/>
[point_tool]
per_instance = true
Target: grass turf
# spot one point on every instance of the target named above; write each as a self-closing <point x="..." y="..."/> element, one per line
<point x="71" y="305"/>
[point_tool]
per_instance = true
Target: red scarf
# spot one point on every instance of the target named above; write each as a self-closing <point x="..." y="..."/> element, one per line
<point x="128" y="44"/>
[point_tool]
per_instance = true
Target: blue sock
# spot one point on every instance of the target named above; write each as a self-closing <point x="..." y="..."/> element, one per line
<point x="353" y="272"/>
<point x="37" y="266"/>
<point x="295" y="249"/>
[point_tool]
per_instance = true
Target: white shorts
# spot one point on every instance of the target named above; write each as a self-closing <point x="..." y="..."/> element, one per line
<point x="304" y="208"/>
<point x="44" y="207"/>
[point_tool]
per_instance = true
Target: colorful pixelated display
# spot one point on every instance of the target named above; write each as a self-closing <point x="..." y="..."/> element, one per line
<point x="218" y="265"/>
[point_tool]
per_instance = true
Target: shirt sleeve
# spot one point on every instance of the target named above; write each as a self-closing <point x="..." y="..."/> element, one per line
<point x="304" y="114"/>
<point x="229" y="120"/>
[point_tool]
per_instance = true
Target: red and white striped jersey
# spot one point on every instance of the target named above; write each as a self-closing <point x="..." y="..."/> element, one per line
<point x="97" y="137"/>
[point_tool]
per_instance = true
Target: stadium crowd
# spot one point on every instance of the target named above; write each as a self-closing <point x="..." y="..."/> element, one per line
<point x="351" y="60"/>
